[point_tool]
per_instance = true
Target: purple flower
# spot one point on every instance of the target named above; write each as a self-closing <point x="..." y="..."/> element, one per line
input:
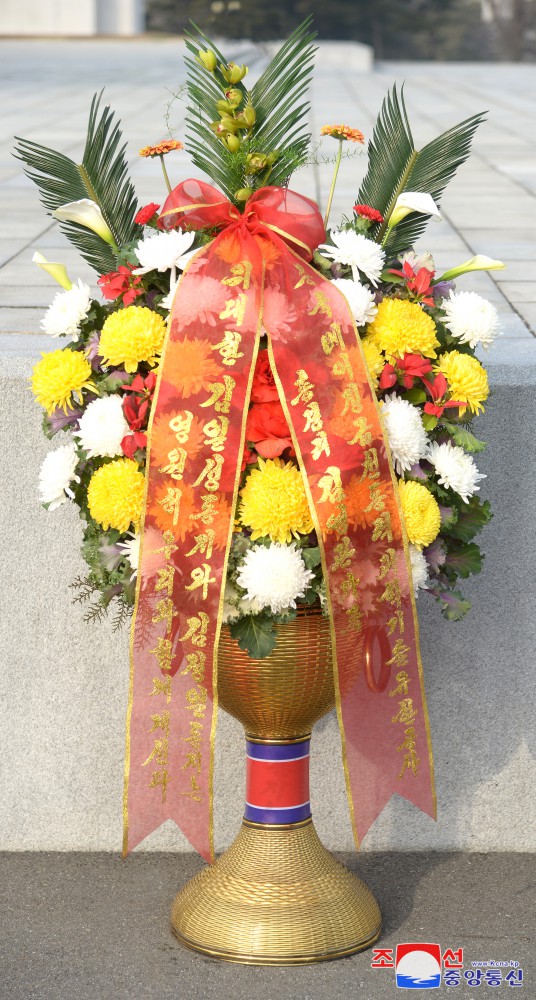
<point x="442" y="289"/>
<point x="92" y="351"/>
<point x="58" y="420"/>
<point x="111" y="555"/>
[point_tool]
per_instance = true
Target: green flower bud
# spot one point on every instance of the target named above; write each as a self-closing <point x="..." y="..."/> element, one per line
<point x="233" y="73"/>
<point x="249" y="115"/>
<point x="234" y="97"/>
<point x="224" y="107"/>
<point x="243" y="194"/>
<point x="207" y="59"/>
<point x="255" y="162"/>
<point x="232" y="142"/>
<point x="229" y="124"/>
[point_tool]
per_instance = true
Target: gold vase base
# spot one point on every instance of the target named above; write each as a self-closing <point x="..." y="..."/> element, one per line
<point x="276" y="897"/>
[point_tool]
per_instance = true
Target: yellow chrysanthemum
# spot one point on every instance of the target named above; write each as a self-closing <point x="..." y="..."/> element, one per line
<point x="467" y="379"/>
<point x="273" y="502"/>
<point x="421" y="513"/>
<point x="374" y="358"/>
<point x="115" y="494"/>
<point x="58" y="377"/>
<point x="132" y="335"/>
<point x="401" y="327"/>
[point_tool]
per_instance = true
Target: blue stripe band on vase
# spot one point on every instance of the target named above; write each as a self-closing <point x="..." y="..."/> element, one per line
<point x="258" y="814"/>
<point x="286" y="751"/>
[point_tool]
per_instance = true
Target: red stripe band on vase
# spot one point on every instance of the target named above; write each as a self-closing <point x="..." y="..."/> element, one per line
<point x="277" y="782"/>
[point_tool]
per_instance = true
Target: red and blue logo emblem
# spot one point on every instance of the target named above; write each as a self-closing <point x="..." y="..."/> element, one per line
<point x="418" y="966"/>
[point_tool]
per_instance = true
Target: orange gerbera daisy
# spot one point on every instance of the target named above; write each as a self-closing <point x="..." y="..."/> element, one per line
<point x="343" y="132"/>
<point x="167" y="146"/>
<point x="164" y="439"/>
<point x="191" y="366"/>
<point x="162" y="512"/>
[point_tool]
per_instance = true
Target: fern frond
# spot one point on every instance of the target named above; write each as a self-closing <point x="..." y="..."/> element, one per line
<point x="395" y="165"/>
<point x="102" y="176"/>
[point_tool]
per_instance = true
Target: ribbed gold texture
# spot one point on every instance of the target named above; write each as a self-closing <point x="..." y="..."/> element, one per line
<point x="277" y="896"/>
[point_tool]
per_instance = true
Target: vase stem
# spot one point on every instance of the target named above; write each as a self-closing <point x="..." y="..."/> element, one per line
<point x="277" y="781"/>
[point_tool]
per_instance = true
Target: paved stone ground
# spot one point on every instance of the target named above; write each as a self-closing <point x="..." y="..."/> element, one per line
<point x="90" y="927"/>
<point x="490" y="207"/>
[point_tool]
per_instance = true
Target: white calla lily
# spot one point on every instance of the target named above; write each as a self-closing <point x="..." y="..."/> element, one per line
<point x="86" y="213"/>
<point x="413" y="201"/>
<point x="478" y="263"/>
<point x="56" y="271"/>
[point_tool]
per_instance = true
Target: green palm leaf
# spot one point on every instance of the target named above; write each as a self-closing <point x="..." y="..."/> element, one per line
<point x="102" y="176"/>
<point x="278" y="99"/>
<point x="395" y="165"/>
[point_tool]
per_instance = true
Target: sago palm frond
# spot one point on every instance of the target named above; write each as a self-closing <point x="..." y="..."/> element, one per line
<point x="278" y="98"/>
<point x="102" y="176"/>
<point x="395" y="165"/>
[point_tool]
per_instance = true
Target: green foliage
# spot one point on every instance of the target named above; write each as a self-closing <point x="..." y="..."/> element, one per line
<point x="463" y="437"/>
<point x="278" y="100"/>
<point x="311" y="557"/>
<point x="471" y="519"/>
<point x="453" y="605"/>
<point x="395" y="165"/>
<point x="102" y="176"/>
<point x="464" y="560"/>
<point x="255" y="634"/>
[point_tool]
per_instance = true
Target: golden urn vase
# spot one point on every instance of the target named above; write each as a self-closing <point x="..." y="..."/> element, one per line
<point x="277" y="896"/>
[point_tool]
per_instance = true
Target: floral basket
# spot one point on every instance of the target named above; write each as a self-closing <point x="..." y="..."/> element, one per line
<point x="267" y="428"/>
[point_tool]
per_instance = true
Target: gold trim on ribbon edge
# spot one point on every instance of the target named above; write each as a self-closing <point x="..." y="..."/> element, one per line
<point x="126" y="779"/>
<point x="219" y="621"/>
<point x="406" y="554"/>
<point x="318" y="530"/>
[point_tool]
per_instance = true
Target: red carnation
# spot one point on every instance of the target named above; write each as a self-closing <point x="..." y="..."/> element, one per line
<point x="267" y="428"/>
<point x="146" y="213"/>
<point x="368" y="213"/>
<point x="121" y="284"/>
<point x="264" y="389"/>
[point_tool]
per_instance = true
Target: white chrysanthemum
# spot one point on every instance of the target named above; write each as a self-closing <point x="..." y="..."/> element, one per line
<point x="274" y="576"/>
<point x="56" y="475"/>
<point x="470" y="318"/>
<point x="406" y="435"/>
<point x="66" y="312"/>
<point x="164" y="251"/>
<point x="131" y="549"/>
<point x="455" y="469"/>
<point x="356" y="251"/>
<point x="360" y="299"/>
<point x="419" y="569"/>
<point x="102" y="427"/>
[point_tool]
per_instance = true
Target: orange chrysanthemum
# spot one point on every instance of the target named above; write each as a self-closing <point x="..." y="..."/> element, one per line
<point x="163" y="515"/>
<point x="343" y="132"/>
<point x="191" y="366"/>
<point x="357" y="500"/>
<point x="167" y="146"/>
<point x="164" y="439"/>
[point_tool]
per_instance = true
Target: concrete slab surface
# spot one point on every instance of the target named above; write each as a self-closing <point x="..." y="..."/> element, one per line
<point x="91" y="927"/>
